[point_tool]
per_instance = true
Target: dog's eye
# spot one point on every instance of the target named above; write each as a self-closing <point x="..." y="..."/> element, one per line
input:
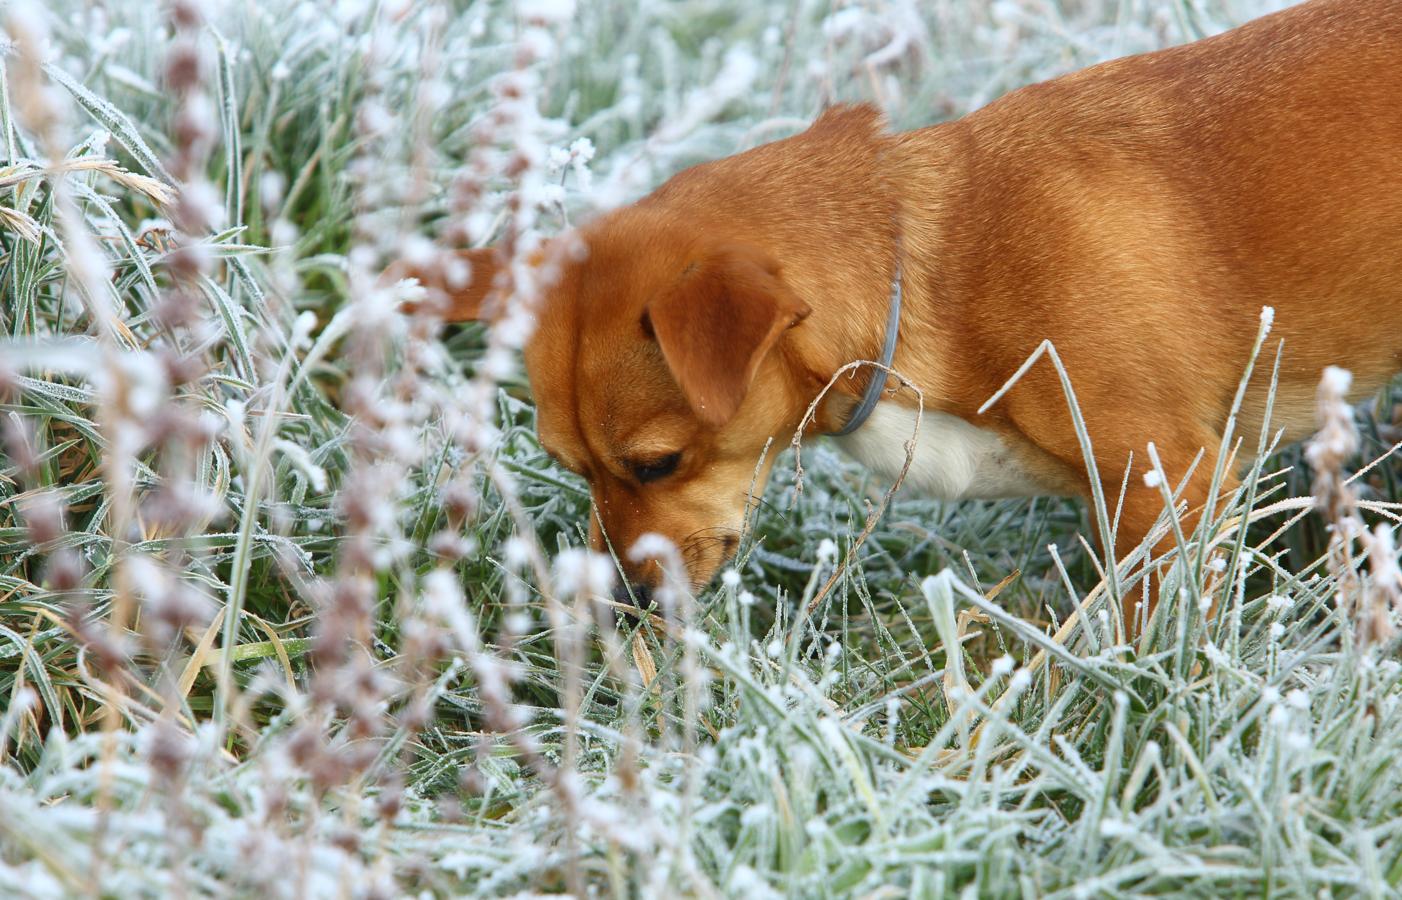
<point x="654" y="469"/>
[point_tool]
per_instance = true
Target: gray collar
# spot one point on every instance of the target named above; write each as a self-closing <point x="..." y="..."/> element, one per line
<point x="888" y="353"/>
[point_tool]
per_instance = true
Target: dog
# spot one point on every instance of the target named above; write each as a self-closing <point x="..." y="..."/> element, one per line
<point x="1138" y="214"/>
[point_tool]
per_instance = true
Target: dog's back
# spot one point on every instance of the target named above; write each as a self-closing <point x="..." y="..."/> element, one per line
<point x="1141" y="213"/>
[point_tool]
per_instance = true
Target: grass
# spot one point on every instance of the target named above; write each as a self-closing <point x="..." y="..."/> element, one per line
<point x="290" y="599"/>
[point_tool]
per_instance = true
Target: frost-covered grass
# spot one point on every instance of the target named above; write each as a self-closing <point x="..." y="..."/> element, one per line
<point x="221" y="433"/>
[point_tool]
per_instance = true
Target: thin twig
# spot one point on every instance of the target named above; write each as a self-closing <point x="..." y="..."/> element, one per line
<point x="873" y="515"/>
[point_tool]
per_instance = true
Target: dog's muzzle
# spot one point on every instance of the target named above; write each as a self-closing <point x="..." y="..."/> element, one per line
<point x="636" y="594"/>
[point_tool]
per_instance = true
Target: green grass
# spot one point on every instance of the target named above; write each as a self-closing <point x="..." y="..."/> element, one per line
<point x="415" y="700"/>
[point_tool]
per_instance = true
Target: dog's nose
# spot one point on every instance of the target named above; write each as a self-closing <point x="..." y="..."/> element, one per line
<point x="640" y="596"/>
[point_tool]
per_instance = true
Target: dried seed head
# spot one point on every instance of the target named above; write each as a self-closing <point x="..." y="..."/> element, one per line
<point x="449" y="808"/>
<point x="471" y="782"/>
<point x="305" y="744"/>
<point x="43" y="515"/>
<point x="19" y="446"/>
<point x="450" y="546"/>
<point x="188" y="14"/>
<point x="1333" y="446"/>
<point x="460" y="502"/>
<point x="329" y="769"/>
<point x="109" y="652"/>
<point x="63" y="571"/>
<point x="168" y="750"/>
<point x="182" y="368"/>
<point x="180" y="608"/>
<point x="180" y="308"/>
<point x="199" y="208"/>
<point x="1383" y="596"/>
<point x="391" y="800"/>
<point x="183" y="67"/>
<point x="1328" y="451"/>
<point x="41" y="106"/>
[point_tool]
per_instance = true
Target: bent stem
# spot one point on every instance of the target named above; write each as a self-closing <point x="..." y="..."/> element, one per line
<point x="873" y="514"/>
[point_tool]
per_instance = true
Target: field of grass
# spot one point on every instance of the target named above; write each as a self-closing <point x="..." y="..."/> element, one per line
<point x="293" y="605"/>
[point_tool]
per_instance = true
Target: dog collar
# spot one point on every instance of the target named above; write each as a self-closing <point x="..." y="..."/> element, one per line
<point x="888" y="353"/>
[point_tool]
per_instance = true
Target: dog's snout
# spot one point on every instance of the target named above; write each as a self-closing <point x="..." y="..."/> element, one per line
<point x="636" y="593"/>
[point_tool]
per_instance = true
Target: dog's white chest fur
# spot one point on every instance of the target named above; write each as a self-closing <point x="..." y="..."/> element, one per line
<point x="954" y="460"/>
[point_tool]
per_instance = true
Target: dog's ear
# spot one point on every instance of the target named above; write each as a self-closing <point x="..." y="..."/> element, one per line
<point x="728" y="310"/>
<point x="465" y="278"/>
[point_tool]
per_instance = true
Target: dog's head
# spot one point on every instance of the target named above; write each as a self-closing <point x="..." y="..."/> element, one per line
<point x="672" y="350"/>
<point x="659" y="372"/>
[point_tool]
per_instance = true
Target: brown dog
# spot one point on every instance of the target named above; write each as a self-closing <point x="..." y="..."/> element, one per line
<point x="1138" y="214"/>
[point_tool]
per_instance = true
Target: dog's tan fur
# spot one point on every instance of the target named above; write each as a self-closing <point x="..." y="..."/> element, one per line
<point x="1139" y="214"/>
